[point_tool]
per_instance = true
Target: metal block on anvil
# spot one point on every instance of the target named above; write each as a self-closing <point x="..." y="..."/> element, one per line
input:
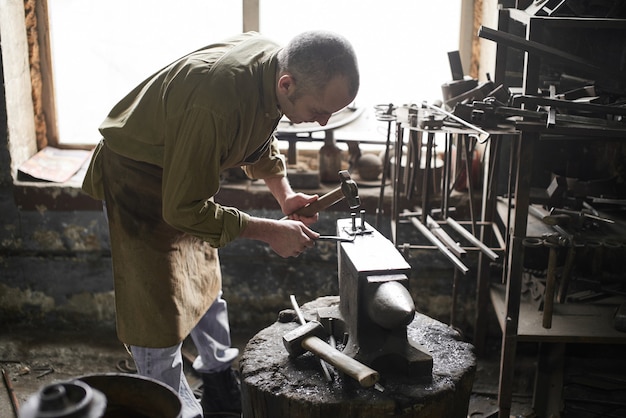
<point x="375" y="305"/>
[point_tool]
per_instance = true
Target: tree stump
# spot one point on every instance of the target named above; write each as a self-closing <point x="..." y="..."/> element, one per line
<point x="276" y="386"/>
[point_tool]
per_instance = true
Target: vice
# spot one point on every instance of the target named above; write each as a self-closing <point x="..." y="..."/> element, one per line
<point x="375" y="305"/>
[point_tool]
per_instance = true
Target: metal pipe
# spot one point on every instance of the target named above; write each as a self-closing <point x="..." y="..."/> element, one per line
<point x="471" y="238"/>
<point x="446" y="239"/>
<point x="442" y="248"/>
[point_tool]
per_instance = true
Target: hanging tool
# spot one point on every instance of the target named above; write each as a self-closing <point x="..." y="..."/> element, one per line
<point x="548" y="299"/>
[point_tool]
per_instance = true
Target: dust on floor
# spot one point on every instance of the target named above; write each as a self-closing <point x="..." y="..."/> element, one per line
<point x="36" y="357"/>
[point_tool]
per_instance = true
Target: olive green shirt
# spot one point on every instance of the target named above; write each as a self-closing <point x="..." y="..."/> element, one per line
<point x="210" y="110"/>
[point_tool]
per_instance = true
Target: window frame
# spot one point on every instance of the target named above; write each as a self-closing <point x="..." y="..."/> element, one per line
<point x="24" y="27"/>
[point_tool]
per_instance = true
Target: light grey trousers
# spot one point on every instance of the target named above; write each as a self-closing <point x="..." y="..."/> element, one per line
<point x="211" y="337"/>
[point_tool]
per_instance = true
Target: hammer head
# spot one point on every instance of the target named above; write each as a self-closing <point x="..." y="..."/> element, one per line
<point x="349" y="189"/>
<point x="293" y="339"/>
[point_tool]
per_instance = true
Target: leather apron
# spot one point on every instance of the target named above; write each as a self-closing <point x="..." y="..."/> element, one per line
<point x="165" y="280"/>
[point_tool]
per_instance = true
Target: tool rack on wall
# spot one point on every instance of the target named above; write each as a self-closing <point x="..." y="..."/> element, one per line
<point x="519" y="320"/>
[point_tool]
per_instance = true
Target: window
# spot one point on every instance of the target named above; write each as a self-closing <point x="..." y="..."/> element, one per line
<point x="102" y="48"/>
<point x="402" y="45"/>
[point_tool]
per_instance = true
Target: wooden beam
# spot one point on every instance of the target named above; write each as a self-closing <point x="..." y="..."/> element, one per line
<point x="251" y="15"/>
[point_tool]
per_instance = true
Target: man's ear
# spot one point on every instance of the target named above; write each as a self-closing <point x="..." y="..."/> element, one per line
<point x="286" y="84"/>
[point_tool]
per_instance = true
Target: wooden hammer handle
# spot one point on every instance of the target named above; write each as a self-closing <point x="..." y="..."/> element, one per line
<point x="366" y="376"/>
<point x="322" y="203"/>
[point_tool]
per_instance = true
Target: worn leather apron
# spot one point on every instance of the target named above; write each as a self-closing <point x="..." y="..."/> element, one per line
<point x="164" y="279"/>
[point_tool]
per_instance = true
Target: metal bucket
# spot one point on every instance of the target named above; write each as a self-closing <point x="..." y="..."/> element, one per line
<point x="134" y="396"/>
<point x="104" y="396"/>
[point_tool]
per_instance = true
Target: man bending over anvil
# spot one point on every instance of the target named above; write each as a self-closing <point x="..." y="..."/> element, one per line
<point x="158" y="168"/>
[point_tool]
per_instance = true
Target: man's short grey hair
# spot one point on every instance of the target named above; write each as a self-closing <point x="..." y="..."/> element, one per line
<point x="313" y="58"/>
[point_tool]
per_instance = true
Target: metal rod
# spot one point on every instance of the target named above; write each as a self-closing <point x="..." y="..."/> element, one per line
<point x="7" y="383"/>
<point x="469" y="162"/>
<point x="383" y="180"/>
<point x="447" y="170"/>
<point x="446" y="239"/>
<point x="471" y="238"/>
<point x="396" y="181"/>
<point x="442" y="248"/>
<point x="482" y="134"/>
<point x="545" y="51"/>
<point x="430" y="142"/>
<point x="455" y="284"/>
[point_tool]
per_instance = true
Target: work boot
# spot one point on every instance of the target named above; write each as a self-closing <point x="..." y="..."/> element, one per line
<point x="221" y="394"/>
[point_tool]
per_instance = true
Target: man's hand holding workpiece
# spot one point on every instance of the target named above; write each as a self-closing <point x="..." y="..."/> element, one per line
<point x="287" y="238"/>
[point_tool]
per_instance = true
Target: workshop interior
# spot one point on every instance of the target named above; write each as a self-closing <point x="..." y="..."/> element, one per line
<point x="472" y="254"/>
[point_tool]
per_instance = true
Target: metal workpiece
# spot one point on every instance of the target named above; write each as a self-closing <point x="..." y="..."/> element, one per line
<point x="356" y="227"/>
<point x="335" y="238"/>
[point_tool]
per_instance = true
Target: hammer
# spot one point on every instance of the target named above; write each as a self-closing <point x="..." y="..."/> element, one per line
<point x="347" y="190"/>
<point x="307" y="337"/>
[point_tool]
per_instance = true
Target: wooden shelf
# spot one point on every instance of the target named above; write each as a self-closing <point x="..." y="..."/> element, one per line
<point x="571" y="323"/>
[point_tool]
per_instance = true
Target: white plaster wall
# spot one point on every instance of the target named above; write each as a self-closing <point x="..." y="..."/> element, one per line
<point x="20" y="113"/>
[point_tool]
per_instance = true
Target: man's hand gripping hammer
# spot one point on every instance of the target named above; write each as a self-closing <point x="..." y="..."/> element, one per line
<point x="347" y="190"/>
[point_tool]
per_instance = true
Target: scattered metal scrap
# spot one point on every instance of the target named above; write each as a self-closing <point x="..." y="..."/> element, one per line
<point x="9" y="387"/>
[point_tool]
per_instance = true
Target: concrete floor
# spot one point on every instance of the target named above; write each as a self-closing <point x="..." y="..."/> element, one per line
<point x="34" y="358"/>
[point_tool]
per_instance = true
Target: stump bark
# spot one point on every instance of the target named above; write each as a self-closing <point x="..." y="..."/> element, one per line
<point x="277" y="386"/>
